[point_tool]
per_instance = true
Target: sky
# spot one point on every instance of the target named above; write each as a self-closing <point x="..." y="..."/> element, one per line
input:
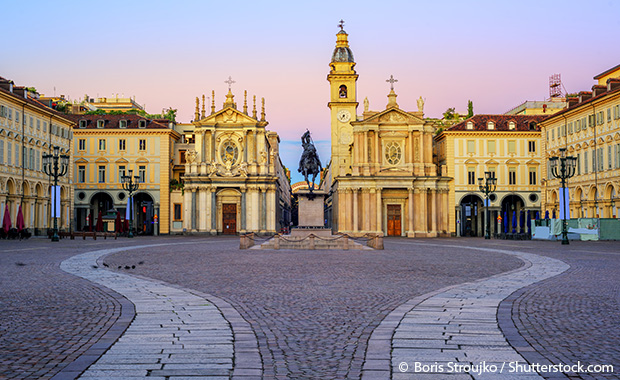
<point x="496" y="53"/>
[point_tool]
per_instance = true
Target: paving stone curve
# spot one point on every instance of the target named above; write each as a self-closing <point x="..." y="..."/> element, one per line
<point x="176" y="332"/>
<point x="456" y="325"/>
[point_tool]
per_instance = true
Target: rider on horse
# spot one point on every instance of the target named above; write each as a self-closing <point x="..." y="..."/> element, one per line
<point x="309" y="162"/>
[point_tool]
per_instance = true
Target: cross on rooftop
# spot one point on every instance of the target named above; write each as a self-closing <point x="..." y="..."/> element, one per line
<point x="230" y="81"/>
<point x="392" y="81"/>
<point x="341" y="24"/>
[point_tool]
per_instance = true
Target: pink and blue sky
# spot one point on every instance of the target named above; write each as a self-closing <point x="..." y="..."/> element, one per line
<point x="496" y="53"/>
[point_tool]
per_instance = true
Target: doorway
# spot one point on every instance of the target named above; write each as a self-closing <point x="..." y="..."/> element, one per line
<point x="393" y="220"/>
<point x="229" y="219"/>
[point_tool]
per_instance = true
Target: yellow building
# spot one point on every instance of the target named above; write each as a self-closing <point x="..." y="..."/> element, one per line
<point x="545" y="107"/>
<point x="107" y="147"/>
<point x="588" y="129"/>
<point x="28" y="129"/>
<point x="233" y="179"/>
<point x="382" y="176"/>
<point x="508" y="146"/>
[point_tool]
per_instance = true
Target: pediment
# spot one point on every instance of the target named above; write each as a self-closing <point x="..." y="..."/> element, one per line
<point x="142" y="160"/>
<point x="609" y="138"/>
<point x="101" y="160"/>
<point x="617" y="136"/>
<point x="512" y="162"/>
<point x="392" y="116"/>
<point x="81" y="161"/>
<point x="491" y="162"/>
<point x="122" y="161"/>
<point x="227" y="116"/>
<point x="532" y="162"/>
<point x="471" y="161"/>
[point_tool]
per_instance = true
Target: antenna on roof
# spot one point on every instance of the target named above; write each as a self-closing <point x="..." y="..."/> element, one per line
<point x="555" y="86"/>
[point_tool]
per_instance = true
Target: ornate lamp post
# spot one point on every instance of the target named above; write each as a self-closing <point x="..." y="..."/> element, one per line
<point x="53" y="168"/>
<point x="130" y="185"/>
<point x="563" y="171"/>
<point x="487" y="186"/>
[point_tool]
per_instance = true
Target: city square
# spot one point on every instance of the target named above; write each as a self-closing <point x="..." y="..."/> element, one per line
<point x="177" y="307"/>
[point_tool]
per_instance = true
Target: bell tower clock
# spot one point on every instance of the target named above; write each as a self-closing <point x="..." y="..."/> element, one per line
<point x="342" y="103"/>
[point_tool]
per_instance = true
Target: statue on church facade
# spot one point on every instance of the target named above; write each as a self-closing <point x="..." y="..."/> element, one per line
<point x="420" y="104"/>
<point x="309" y="164"/>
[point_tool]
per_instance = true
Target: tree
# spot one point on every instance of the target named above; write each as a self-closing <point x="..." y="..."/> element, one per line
<point x="470" y="109"/>
<point x="449" y="114"/>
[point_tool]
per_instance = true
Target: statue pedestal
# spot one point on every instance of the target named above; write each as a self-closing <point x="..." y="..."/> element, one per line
<point x="311" y="208"/>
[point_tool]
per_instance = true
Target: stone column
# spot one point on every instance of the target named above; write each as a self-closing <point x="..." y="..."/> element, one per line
<point x="377" y="148"/>
<point x="263" y="210"/>
<point x="187" y="206"/>
<point x="213" y="211"/>
<point x="203" y="146"/>
<point x="365" y="147"/>
<point x="203" y="206"/>
<point x="355" y="210"/>
<point x="408" y="149"/>
<point x="212" y="146"/>
<point x="410" y="215"/>
<point x="194" y="210"/>
<point x="434" y="212"/>
<point x="379" y="214"/>
<point x="372" y="210"/>
<point x="365" y="209"/>
<point x="243" y="208"/>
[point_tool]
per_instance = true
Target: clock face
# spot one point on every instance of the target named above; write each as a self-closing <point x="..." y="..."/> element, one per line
<point x="343" y="116"/>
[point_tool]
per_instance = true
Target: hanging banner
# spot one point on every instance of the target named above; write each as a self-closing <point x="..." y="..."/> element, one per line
<point x="55" y="201"/>
<point x="128" y="209"/>
<point x="564" y="200"/>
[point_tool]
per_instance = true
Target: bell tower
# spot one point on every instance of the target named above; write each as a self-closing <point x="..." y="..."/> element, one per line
<point x="342" y="103"/>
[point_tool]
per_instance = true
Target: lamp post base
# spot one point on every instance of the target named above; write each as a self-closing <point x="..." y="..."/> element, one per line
<point x="55" y="237"/>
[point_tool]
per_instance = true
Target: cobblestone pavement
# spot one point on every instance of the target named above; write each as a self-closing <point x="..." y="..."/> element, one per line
<point x="175" y="333"/>
<point x="454" y="332"/>
<point x="574" y="317"/>
<point x="48" y="317"/>
<point x="313" y="311"/>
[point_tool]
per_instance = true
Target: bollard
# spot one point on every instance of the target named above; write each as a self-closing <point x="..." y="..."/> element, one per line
<point x="311" y="241"/>
<point x="276" y="242"/>
<point x="346" y="242"/>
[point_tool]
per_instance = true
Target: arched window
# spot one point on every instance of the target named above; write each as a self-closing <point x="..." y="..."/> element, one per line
<point x="342" y="91"/>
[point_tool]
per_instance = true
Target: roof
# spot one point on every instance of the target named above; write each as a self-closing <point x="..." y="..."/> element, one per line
<point x="607" y="72"/>
<point x="112" y="121"/>
<point x="585" y="102"/>
<point x="31" y="101"/>
<point x="501" y="123"/>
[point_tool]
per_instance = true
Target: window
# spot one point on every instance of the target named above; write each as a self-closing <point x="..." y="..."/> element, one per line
<point x="512" y="146"/>
<point x="577" y="125"/>
<point x="491" y="146"/>
<point x="532" y="176"/>
<point x="31" y="159"/>
<point x="83" y="123"/>
<point x="471" y="146"/>
<point x="82" y="144"/>
<point x="470" y="125"/>
<point x="1" y="152"/>
<point x="594" y="160"/>
<point x="9" y="146"/>
<point x="101" y="144"/>
<point x="38" y="125"/>
<point x="182" y="157"/>
<point x="31" y="121"/>
<point x="531" y="146"/>
<point x="570" y="128"/>
<point x="37" y="156"/>
<point x="121" y="144"/>
<point x="142" y="144"/>
<point x="142" y="173"/>
<point x="585" y="162"/>
<point x="553" y="134"/>
<point x="4" y="112"/>
<point x="511" y="125"/>
<point x="342" y="91"/>
<point x="492" y="171"/>
<point x="121" y="173"/>
<point x="490" y="125"/>
<point x="578" y="164"/>
<point x="100" y="123"/>
<point x="122" y="124"/>
<point x="591" y="120"/>
<point x="609" y="157"/>
<point x="101" y="173"/>
<point x="608" y="115"/>
<point x="512" y="176"/>
<point x="81" y="174"/>
<point x="141" y="123"/>
<point x="471" y="176"/>
<point x="601" y="162"/>
<point x="16" y="117"/>
<point x="178" y="215"/>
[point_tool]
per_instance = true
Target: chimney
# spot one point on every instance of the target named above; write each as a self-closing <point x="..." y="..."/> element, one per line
<point x="612" y="84"/>
<point x="572" y="102"/>
<point x="598" y="89"/>
<point x="584" y="95"/>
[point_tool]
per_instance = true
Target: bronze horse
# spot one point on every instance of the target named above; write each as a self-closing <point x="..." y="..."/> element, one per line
<point x="309" y="164"/>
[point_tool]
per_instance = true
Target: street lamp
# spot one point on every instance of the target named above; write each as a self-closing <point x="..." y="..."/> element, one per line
<point x="563" y="171"/>
<point x="130" y="185"/>
<point x="487" y="186"/>
<point x="53" y="168"/>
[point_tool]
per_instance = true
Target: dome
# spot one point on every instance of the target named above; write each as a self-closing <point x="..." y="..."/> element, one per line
<point x="342" y="54"/>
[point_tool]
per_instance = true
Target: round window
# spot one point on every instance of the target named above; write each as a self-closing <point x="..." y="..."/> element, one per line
<point x="121" y="196"/>
<point x="492" y="197"/>
<point x="392" y="153"/>
<point x="81" y="195"/>
<point x="533" y="197"/>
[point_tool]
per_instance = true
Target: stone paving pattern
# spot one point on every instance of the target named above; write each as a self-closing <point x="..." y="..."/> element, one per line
<point x="49" y="318"/>
<point x="313" y="311"/>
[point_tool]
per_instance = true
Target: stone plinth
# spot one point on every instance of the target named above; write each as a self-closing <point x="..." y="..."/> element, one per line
<point x="311" y="208"/>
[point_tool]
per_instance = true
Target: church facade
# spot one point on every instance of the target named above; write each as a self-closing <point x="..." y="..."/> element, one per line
<point x="234" y="181"/>
<point x="382" y="176"/>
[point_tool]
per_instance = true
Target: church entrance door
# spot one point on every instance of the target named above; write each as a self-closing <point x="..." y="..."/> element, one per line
<point x="229" y="218"/>
<point x="393" y="220"/>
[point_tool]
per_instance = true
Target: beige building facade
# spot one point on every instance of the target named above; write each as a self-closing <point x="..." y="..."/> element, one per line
<point x="382" y="176"/>
<point x="233" y="179"/>
<point x="28" y="129"/>
<point x="589" y="129"/>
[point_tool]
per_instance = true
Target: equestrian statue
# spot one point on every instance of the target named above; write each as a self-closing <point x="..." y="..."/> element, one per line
<point x="309" y="164"/>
